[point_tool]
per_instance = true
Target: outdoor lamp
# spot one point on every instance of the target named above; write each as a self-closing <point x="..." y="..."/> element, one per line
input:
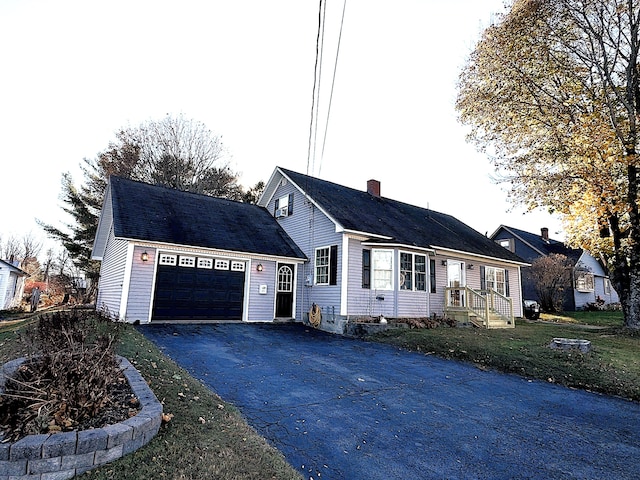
<point x="259" y="267"/>
<point x="145" y="256"/>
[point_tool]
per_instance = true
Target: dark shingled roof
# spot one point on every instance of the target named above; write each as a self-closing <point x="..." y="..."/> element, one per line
<point x="159" y="214"/>
<point x="546" y="247"/>
<point x="407" y="224"/>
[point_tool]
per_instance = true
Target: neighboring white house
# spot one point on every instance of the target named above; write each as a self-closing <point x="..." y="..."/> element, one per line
<point x="11" y="285"/>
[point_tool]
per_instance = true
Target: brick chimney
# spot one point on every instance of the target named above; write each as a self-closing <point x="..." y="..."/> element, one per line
<point x="373" y="188"/>
<point x="544" y="233"/>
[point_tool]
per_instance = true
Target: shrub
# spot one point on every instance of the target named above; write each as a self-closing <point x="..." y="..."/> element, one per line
<point x="69" y="378"/>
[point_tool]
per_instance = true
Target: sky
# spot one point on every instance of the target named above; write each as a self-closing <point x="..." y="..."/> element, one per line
<point x="73" y="72"/>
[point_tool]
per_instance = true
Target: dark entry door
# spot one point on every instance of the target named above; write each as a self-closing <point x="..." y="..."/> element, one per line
<point x="188" y="293"/>
<point x="284" y="292"/>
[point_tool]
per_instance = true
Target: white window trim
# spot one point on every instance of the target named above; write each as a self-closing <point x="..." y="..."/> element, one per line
<point x="374" y="286"/>
<point x="237" y="266"/>
<point x="187" y="261"/>
<point x="205" y="263"/>
<point x="315" y="265"/>
<point x="167" y="259"/>
<point x="586" y="287"/>
<point x="414" y="272"/>
<point x="220" y="264"/>
<point x="495" y="276"/>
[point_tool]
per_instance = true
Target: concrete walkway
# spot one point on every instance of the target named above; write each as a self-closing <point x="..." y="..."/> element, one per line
<point x="345" y="409"/>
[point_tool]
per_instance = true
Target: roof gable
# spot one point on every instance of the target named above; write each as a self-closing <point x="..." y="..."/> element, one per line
<point x="401" y="223"/>
<point x="539" y="244"/>
<point x="12" y="268"/>
<point x="159" y="214"/>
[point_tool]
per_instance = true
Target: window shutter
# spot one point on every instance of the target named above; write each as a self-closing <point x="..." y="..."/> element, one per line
<point x="333" y="265"/>
<point x="276" y="206"/>
<point x="506" y="283"/>
<point x="432" y="274"/>
<point x="290" y="205"/>
<point x="366" y="268"/>
<point x="483" y="279"/>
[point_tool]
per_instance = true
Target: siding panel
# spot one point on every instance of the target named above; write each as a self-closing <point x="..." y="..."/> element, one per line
<point x="141" y="285"/>
<point x="310" y="229"/>
<point x="112" y="275"/>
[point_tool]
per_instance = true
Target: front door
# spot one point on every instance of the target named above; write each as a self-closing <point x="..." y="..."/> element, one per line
<point x="455" y="279"/>
<point x="284" y="291"/>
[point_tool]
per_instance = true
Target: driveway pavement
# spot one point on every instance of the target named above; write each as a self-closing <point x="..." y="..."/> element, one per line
<point x="339" y="408"/>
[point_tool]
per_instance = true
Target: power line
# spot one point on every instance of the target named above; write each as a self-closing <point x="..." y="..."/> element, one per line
<point x="333" y="83"/>
<point x="316" y="83"/>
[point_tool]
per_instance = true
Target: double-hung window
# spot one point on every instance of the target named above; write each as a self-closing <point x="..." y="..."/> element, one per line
<point x="413" y="272"/>
<point x="382" y="269"/>
<point x="326" y="265"/>
<point x="496" y="279"/>
<point x="584" y="282"/>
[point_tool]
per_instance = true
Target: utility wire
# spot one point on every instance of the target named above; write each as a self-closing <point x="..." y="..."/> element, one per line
<point x="316" y="81"/>
<point x="333" y="83"/>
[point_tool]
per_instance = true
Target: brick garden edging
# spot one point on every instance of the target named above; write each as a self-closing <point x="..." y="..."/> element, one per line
<point x="62" y="456"/>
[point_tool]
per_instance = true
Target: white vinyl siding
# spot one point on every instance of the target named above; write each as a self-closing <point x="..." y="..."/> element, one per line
<point x="310" y="223"/>
<point x="140" y="286"/>
<point x="112" y="275"/>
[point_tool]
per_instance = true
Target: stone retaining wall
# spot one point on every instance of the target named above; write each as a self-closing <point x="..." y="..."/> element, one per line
<point x="63" y="455"/>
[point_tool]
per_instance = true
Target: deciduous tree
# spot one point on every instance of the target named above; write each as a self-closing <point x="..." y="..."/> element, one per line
<point x="173" y="152"/>
<point x="551" y="276"/>
<point x="552" y="93"/>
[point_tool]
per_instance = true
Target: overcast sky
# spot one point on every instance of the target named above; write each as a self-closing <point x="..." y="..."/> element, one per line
<point x="73" y="72"/>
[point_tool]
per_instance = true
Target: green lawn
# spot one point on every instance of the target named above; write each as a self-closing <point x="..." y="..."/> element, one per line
<point x="208" y="438"/>
<point x="612" y="366"/>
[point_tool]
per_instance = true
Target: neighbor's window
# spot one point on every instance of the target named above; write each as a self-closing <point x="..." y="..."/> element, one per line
<point x="607" y="286"/>
<point x="413" y="272"/>
<point x="584" y="282"/>
<point x="382" y="266"/>
<point x="326" y="266"/>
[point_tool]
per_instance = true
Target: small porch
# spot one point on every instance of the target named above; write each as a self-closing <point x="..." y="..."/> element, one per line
<point x="482" y="308"/>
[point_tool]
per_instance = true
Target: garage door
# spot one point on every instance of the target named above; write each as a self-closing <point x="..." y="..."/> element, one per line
<point x="194" y="288"/>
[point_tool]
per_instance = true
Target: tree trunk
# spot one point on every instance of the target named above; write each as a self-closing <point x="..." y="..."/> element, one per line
<point x="632" y="309"/>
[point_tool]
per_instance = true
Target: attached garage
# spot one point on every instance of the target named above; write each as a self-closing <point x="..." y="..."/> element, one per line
<point x="172" y="256"/>
<point x="192" y="288"/>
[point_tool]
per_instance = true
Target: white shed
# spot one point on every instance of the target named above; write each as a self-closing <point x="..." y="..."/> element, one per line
<point x="11" y="285"/>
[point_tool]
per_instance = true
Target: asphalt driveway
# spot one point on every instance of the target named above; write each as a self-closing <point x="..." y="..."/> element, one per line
<point x="339" y="408"/>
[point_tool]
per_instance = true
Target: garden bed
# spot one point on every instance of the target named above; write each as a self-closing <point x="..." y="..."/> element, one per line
<point x="65" y="455"/>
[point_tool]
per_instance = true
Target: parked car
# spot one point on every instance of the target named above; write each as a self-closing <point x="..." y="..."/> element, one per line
<point x="531" y="309"/>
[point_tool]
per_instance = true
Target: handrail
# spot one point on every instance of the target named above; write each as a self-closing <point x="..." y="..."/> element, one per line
<point x="482" y="303"/>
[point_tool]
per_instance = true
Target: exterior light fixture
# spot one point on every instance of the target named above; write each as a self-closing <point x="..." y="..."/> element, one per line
<point x="145" y="256"/>
<point x="470" y="266"/>
<point x="444" y="263"/>
<point x="259" y="267"/>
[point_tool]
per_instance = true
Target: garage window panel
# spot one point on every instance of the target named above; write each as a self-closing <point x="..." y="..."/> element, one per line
<point x="222" y="264"/>
<point x="187" y="261"/>
<point x="205" y="263"/>
<point x="166" y="259"/>
<point x="237" y="266"/>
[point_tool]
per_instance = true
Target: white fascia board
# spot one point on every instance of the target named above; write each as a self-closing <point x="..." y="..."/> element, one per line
<point x="102" y="232"/>
<point x="475" y="255"/>
<point x="404" y="246"/>
<point x="270" y="188"/>
<point x="213" y="251"/>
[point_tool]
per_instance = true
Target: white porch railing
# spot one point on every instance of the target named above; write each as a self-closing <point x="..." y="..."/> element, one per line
<point x="491" y="309"/>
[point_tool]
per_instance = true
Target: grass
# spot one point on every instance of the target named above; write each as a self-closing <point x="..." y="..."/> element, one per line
<point x="206" y="438"/>
<point x="611" y="367"/>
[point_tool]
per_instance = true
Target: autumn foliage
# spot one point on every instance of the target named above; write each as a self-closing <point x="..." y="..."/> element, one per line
<point x="552" y="94"/>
